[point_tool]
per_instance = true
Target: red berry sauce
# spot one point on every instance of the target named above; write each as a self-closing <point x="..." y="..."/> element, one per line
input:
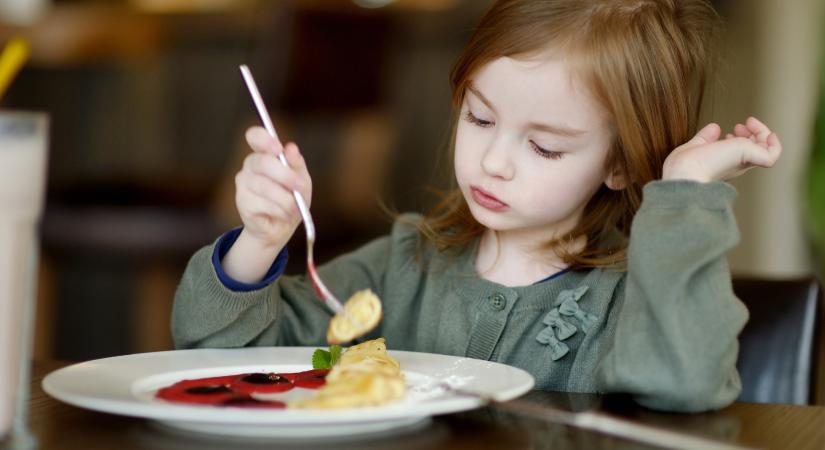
<point x="237" y="390"/>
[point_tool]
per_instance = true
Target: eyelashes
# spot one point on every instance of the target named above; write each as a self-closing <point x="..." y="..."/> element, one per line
<point x="470" y="117"/>
<point x="542" y="152"/>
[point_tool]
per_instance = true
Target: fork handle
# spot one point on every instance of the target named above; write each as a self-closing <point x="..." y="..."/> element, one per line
<point x="299" y="199"/>
<point x="309" y="225"/>
<point x="264" y="115"/>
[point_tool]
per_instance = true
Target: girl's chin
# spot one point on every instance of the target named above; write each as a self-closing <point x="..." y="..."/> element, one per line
<point x="492" y="220"/>
<point x="508" y="223"/>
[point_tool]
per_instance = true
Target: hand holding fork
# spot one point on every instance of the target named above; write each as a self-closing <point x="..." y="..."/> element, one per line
<point x="267" y="194"/>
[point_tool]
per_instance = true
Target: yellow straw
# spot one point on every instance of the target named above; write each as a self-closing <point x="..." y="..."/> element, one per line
<point x="12" y="59"/>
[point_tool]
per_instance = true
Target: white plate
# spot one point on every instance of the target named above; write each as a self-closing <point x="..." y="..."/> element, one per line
<point x="126" y="385"/>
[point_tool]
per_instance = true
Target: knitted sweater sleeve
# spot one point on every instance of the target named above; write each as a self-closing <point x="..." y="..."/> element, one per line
<point x="287" y="312"/>
<point x="675" y="345"/>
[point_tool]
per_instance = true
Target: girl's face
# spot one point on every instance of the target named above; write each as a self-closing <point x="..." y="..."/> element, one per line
<point x="531" y="146"/>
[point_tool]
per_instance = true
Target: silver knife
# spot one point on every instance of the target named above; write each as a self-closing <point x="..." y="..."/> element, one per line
<point x="601" y="423"/>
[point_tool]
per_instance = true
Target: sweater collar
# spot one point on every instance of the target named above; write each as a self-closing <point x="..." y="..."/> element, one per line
<point x="473" y="287"/>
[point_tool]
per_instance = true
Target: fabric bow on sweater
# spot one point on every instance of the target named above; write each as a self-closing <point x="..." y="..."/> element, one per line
<point x="563" y="329"/>
<point x="559" y="329"/>
<point x="571" y="295"/>
<point x="557" y="348"/>
<point x="571" y="309"/>
<point x="569" y="306"/>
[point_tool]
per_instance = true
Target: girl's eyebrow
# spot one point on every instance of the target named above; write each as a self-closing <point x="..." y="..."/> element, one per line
<point x="556" y="129"/>
<point x="550" y="128"/>
<point x="471" y="87"/>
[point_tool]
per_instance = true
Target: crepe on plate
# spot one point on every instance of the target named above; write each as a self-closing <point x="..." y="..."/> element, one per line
<point x="366" y="375"/>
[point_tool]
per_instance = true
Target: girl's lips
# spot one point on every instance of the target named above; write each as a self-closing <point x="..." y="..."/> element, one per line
<point x="487" y="200"/>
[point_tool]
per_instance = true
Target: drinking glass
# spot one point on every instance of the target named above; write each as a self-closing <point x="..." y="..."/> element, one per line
<point x="23" y="150"/>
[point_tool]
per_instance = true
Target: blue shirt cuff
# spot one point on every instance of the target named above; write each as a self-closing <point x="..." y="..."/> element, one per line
<point x="222" y="247"/>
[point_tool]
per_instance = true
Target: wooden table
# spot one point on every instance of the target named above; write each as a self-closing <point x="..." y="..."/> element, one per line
<point x="60" y="426"/>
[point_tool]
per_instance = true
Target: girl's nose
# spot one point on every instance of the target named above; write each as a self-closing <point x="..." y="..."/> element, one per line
<point x="496" y="160"/>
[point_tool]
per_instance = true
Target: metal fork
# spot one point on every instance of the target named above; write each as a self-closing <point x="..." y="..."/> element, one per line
<point x="326" y="296"/>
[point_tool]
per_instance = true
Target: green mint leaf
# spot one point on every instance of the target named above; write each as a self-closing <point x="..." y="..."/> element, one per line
<point x="334" y="354"/>
<point x="321" y="359"/>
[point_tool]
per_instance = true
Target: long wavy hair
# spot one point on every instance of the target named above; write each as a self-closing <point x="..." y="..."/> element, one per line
<point x="645" y="61"/>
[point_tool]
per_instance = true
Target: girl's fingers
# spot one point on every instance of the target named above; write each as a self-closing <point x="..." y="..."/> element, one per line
<point x="758" y="155"/>
<point x="250" y="203"/>
<point x="758" y="128"/>
<point x="294" y="157"/>
<point x="755" y="124"/>
<point x="264" y="187"/>
<point x="269" y="166"/>
<point x="741" y="130"/>
<point x="774" y="145"/>
<point x="748" y="145"/>
<point x="298" y="164"/>
<point x="261" y="142"/>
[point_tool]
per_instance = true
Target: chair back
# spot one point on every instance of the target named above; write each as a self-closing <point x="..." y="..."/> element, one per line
<point x="780" y="343"/>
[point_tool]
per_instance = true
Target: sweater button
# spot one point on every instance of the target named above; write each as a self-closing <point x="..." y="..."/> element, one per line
<point x="498" y="301"/>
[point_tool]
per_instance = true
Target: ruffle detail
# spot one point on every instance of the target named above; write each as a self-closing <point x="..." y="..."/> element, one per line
<point x="559" y="329"/>
<point x="563" y="329"/>
<point x="557" y="348"/>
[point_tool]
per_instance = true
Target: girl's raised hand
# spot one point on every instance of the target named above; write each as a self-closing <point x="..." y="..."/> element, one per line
<point x="263" y="189"/>
<point x="708" y="158"/>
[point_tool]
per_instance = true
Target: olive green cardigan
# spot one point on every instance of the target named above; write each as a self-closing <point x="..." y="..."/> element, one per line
<point x="665" y="330"/>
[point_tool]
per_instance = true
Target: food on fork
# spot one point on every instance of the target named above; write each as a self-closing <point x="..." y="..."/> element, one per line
<point x="365" y="308"/>
<point x="365" y="375"/>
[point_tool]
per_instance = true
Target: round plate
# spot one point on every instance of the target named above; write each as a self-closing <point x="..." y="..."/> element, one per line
<point x="126" y="385"/>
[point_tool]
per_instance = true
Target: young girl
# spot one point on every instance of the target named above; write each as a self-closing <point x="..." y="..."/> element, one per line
<point x="585" y="241"/>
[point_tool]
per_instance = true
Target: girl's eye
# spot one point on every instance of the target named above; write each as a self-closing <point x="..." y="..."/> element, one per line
<point x="544" y="153"/>
<point x="470" y="117"/>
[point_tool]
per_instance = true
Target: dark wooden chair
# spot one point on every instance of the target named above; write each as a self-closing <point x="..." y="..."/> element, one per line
<point x="780" y="355"/>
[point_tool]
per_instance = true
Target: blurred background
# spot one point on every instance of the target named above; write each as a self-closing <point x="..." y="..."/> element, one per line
<point x="148" y="111"/>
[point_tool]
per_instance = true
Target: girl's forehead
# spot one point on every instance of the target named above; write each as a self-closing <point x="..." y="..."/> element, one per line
<point x="539" y="84"/>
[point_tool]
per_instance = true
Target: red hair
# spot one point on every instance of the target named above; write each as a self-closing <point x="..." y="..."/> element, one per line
<point x="645" y="61"/>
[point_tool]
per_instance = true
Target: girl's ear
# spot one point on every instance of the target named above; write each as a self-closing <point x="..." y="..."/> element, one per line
<point x="616" y="180"/>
